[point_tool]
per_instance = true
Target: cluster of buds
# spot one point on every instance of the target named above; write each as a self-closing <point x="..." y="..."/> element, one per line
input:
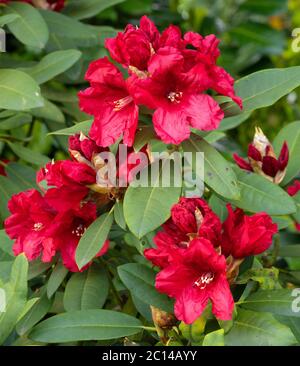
<point x="263" y="160"/>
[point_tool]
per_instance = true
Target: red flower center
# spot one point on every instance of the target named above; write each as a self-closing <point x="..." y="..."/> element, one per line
<point x="79" y="231"/>
<point x="121" y="103"/>
<point x="204" y="280"/>
<point x="175" y="97"/>
<point x="38" y="226"/>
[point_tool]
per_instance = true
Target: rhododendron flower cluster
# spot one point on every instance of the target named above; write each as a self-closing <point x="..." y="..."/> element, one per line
<point x="55" y="5"/>
<point x="43" y="224"/>
<point x="262" y="158"/>
<point x="169" y="73"/>
<point x="198" y="255"/>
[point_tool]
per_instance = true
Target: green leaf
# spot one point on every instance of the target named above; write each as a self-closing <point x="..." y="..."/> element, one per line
<point x="53" y="64"/>
<point x="87" y="290"/>
<point x="6" y="243"/>
<point x="37" y="312"/>
<point x="82" y="9"/>
<point x="85" y="325"/>
<point x="49" y="111"/>
<point x="28" y="155"/>
<point x="290" y="250"/>
<point x="263" y="88"/>
<point x="93" y="239"/>
<point x="16" y="297"/>
<point x="62" y="26"/>
<point x="119" y="215"/>
<point x="266" y="277"/>
<point x="7" y="189"/>
<point x="56" y="278"/>
<point x="218" y="174"/>
<point x="140" y="280"/>
<point x="83" y="127"/>
<point x="229" y="123"/>
<point x="18" y="91"/>
<point x="273" y="301"/>
<point x="258" y="329"/>
<point x="24" y="175"/>
<point x="5" y="19"/>
<point x="258" y="194"/>
<point x="30" y="27"/>
<point x="144" y="208"/>
<point x="291" y="134"/>
<point x="142" y="137"/>
<point x="15" y="121"/>
<point x="270" y="7"/>
<point x="215" y="338"/>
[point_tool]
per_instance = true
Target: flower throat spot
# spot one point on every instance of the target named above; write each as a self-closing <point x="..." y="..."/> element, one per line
<point x="204" y="280"/>
<point x="175" y="97"/>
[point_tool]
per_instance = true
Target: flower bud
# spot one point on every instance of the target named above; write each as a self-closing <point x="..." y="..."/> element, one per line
<point x="263" y="160"/>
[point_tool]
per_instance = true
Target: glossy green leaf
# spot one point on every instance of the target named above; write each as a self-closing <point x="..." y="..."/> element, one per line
<point x="53" y="64"/>
<point x="218" y="174"/>
<point x="86" y="290"/>
<point x="30" y="27"/>
<point x="85" y="325"/>
<point x="56" y="278"/>
<point x="19" y="91"/>
<point x="119" y="215"/>
<point x="28" y="155"/>
<point x="93" y="239"/>
<point x="49" y="111"/>
<point x="83" y="127"/>
<point x="258" y="194"/>
<point x="215" y="338"/>
<point x="15" y="121"/>
<point x="140" y="280"/>
<point x="258" y="329"/>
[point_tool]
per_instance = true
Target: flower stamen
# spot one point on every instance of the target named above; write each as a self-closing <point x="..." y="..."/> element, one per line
<point x="175" y="97"/>
<point x="204" y="280"/>
<point x="121" y="103"/>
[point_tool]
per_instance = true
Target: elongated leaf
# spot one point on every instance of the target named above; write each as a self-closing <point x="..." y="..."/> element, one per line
<point x="83" y="127"/>
<point x="28" y="155"/>
<point x="144" y="208"/>
<point x="30" y="27"/>
<point x="7" y="189"/>
<point x="35" y="314"/>
<point x="258" y="194"/>
<point x="140" y="280"/>
<point x="85" y="325"/>
<point x="56" y="278"/>
<point x="291" y="134"/>
<point x="218" y="173"/>
<point x="19" y="91"/>
<point x="86" y="290"/>
<point x="119" y="215"/>
<point x="49" y="111"/>
<point x="82" y="9"/>
<point x="231" y="122"/>
<point x="273" y="301"/>
<point x="264" y="88"/>
<point x="15" y="121"/>
<point x="6" y="243"/>
<point x="258" y="329"/>
<point x="16" y="294"/>
<point x="52" y="65"/>
<point x="22" y="175"/>
<point x="93" y="239"/>
<point x="62" y="26"/>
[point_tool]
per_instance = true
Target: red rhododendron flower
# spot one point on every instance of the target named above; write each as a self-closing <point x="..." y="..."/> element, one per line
<point x="82" y="148"/>
<point x="109" y="101"/>
<point x="262" y="158"/>
<point x="67" y="230"/>
<point x="134" y="46"/>
<point x="175" y="97"/>
<point x="28" y="225"/>
<point x="198" y="276"/>
<point x="244" y="235"/>
<point x="190" y="218"/>
<point x="67" y="173"/>
<point x="56" y="5"/>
